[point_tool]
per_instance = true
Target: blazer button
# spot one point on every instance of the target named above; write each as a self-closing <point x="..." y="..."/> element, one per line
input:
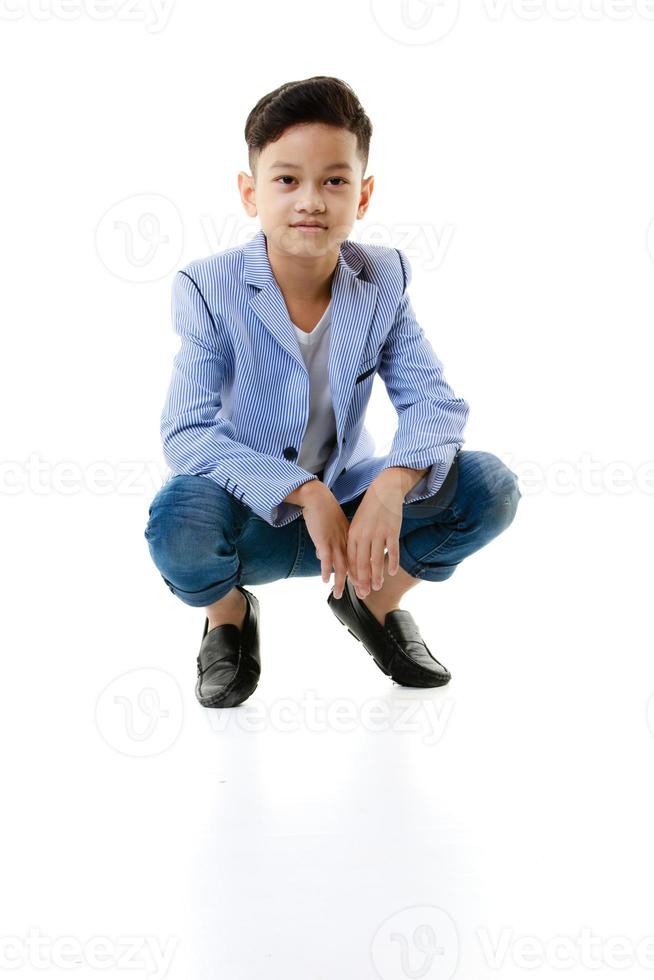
<point x="290" y="452"/>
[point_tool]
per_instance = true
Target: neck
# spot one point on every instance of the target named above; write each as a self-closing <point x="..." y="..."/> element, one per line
<point x="306" y="277"/>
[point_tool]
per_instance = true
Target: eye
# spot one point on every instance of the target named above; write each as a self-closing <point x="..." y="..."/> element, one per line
<point x="288" y="177"/>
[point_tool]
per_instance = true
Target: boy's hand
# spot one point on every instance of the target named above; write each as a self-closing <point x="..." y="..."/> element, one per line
<point x="328" y="528"/>
<point x="375" y="527"/>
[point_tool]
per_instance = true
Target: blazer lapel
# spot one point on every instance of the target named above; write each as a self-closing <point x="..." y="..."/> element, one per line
<point x="353" y="305"/>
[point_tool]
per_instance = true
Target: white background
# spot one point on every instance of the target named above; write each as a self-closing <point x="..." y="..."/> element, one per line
<point x="513" y="154"/>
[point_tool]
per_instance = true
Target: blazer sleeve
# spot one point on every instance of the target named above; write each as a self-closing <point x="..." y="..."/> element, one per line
<point x="196" y="440"/>
<point x="431" y="419"/>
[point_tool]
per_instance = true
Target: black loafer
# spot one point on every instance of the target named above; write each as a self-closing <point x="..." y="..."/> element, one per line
<point x="396" y="647"/>
<point x="229" y="662"/>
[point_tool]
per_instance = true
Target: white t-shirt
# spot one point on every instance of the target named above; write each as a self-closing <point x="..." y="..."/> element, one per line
<point x="320" y="436"/>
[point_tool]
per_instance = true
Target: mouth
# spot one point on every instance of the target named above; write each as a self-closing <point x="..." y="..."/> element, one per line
<point x="309" y="226"/>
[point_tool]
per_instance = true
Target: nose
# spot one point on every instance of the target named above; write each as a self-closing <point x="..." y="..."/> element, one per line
<point x="310" y="211"/>
<point x="310" y="203"/>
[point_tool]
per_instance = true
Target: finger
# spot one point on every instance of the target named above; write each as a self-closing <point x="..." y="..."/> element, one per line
<point x="339" y="578"/>
<point x="377" y="562"/>
<point x="326" y="567"/>
<point x="393" y="557"/>
<point x="363" y="567"/>
<point x="352" y="560"/>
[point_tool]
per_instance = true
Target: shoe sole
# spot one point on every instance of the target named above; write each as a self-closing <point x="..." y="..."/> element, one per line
<point x="433" y="682"/>
<point x="365" y="647"/>
<point x="230" y="699"/>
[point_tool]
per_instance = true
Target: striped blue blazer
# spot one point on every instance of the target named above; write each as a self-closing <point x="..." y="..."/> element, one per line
<point x="237" y="405"/>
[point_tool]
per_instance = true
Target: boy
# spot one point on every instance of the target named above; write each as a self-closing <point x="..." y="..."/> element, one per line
<point x="272" y="471"/>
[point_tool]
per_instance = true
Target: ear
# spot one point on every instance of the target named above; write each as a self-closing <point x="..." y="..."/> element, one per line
<point x="247" y="191"/>
<point x="367" y="186"/>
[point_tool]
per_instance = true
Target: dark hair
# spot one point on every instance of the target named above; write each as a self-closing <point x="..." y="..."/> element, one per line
<point x="320" y="99"/>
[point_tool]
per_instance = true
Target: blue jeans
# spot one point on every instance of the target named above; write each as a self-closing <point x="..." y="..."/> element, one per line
<point x="204" y="541"/>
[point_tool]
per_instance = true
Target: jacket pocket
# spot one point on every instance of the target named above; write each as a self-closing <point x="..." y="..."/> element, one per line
<point x="366" y="374"/>
<point x="372" y="362"/>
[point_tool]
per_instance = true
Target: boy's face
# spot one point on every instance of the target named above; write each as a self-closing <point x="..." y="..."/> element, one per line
<point x="324" y="185"/>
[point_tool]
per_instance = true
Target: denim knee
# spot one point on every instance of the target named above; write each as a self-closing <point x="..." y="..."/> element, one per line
<point x="190" y="535"/>
<point x="501" y="506"/>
